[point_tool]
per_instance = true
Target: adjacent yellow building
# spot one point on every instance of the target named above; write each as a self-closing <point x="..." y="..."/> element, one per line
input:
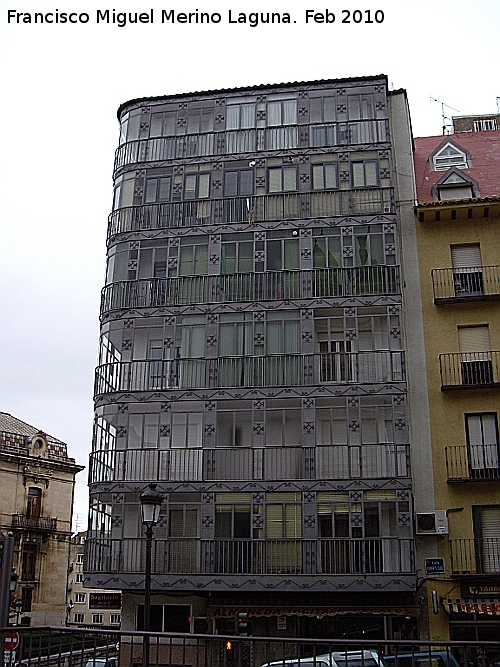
<point x="458" y="235"/>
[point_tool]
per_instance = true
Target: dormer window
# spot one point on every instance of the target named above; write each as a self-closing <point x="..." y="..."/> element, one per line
<point x="454" y="184"/>
<point x="449" y="155"/>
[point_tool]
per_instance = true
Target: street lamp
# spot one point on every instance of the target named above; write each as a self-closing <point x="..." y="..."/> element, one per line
<point x="151" y="501"/>
<point x="19" y="610"/>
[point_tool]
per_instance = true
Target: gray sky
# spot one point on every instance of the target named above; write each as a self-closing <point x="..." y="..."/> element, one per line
<point x="62" y="84"/>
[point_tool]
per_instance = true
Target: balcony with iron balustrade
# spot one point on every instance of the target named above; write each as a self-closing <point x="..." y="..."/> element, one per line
<point x="242" y="287"/>
<point x="251" y="140"/>
<point x="475" y="556"/>
<point x="479" y="463"/>
<point x="459" y="285"/>
<point x="470" y="370"/>
<point x="201" y="559"/>
<point x="284" y="370"/>
<point x="293" y="462"/>
<point x="41" y="523"/>
<point x="292" y="206"/>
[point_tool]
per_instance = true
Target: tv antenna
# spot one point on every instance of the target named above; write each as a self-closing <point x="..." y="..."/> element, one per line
<point x="443" y="116"/>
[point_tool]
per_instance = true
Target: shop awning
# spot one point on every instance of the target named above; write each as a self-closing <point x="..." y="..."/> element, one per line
<point x="471" y="606"/>
<point x="318" y="612"/>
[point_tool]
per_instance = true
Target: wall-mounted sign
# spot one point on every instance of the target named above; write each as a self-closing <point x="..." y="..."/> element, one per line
<point x="434" y="566"/>
<point x="480" y="589"/>
<point x="281" y="622"/>
<point x="105" y="601"/>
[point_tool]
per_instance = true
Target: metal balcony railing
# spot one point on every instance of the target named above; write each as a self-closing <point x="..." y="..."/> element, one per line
<point x="34" y="523"/>
<point x="469" y="370"/>
<point x="466" y="284"/>
<point x="293" y="206"/>
<point x="270" y="371"/>
<point x="332" y="556"/>
<point x="271" y="285"/>
<point x="475" y="556"/>
<point x="475" y="463"/>
<point x="377" y="461"/>
<point x="251" y="140"/>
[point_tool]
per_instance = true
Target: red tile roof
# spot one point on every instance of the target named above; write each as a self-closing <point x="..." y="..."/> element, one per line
<point x="484" y="148"/>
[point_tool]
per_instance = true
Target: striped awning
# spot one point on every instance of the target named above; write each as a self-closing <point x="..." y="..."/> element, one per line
<point x="473" y="606"/>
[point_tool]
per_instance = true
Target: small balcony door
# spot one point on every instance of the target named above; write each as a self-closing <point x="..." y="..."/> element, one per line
<point x="467" y="271"/>
<point x="475" y="355"/>
<point x="34" y="505"/>
<point x="482" y="443"/>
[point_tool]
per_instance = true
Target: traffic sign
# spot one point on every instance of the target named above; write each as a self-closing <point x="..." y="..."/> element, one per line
<point x="11" y="641"/>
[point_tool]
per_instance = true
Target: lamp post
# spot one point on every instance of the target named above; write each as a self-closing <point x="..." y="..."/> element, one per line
<point x="151" y="501"/>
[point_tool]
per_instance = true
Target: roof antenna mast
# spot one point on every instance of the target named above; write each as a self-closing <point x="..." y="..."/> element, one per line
<point x="443" y="116"/>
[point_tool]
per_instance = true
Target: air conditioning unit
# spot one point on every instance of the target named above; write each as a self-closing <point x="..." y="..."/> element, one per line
<point x="432" y="523"/>
<point x="203" y="626"/>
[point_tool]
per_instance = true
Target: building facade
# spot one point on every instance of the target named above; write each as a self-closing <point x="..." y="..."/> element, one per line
<point x="253" y="363"/>
<point x="36" y="505"/>
<point x="86" y="607"/>
<point x="458" y="232"/>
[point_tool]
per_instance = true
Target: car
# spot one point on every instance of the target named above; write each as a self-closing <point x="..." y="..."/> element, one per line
<point x="335" y="659"/>
<point x="422" y="659"/>
<point x="102" y="661"/>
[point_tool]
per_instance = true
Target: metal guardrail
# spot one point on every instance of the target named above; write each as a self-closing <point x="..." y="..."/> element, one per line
<point x="265" y="371"/>
<point x="477" y="463"/>
<point x="292" y="206"/>
<point x="34" y="523"/>
<point x="475" y="556"/>
<point x="238" y="287"/>
<point x="195" y="650"/>
<point x="465" y="284"/>
<point x="375" y="461"/>
<point x="469" y="370"/>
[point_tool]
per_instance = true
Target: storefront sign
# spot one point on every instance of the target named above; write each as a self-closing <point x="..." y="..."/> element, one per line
<point x="105" y="601"/>
<point x="480" y="589"/>
<point x="434" y="566"/>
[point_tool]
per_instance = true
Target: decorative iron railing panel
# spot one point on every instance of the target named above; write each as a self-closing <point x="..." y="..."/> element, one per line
<point x="468" y="370"/>
<point x="376" y="461"/>
<point x="293" y="206"/>
<point x="240" y="287"/>
<point x="462" y="284"/>
<point x="251" y="140"/>
<point x="34" y="522"/>
<point x="475" y="556"/>
<point x="474" y="463"/>
<point x="269" y="371"/>
<point x="333" y="556"/>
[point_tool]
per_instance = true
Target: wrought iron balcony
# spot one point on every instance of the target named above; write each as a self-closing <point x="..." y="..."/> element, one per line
<point x="44" y="523"/>
<point x="332" y="556"/>
<point x="251" y="140"/>
<point x="293" y="206"/>
<point x="469" y="370"/>
<point x="478" y="463"/>
<point x="476" y="283"/>
<point x="238" y="287"/>
<point x="342" y="462"/>
<point x="270" y="371"/>
<point x="475" y="556"/>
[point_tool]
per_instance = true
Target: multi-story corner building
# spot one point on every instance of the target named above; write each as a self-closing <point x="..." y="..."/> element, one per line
<point x="458" y="231"/>
<point x="88" y="607"/>
<point x="253" y="363"/>
<point x="37" y="480"/>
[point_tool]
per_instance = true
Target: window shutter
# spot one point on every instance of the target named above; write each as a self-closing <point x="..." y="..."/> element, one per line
<point x="474" y="339"/>
<point x="465" y="256"/>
